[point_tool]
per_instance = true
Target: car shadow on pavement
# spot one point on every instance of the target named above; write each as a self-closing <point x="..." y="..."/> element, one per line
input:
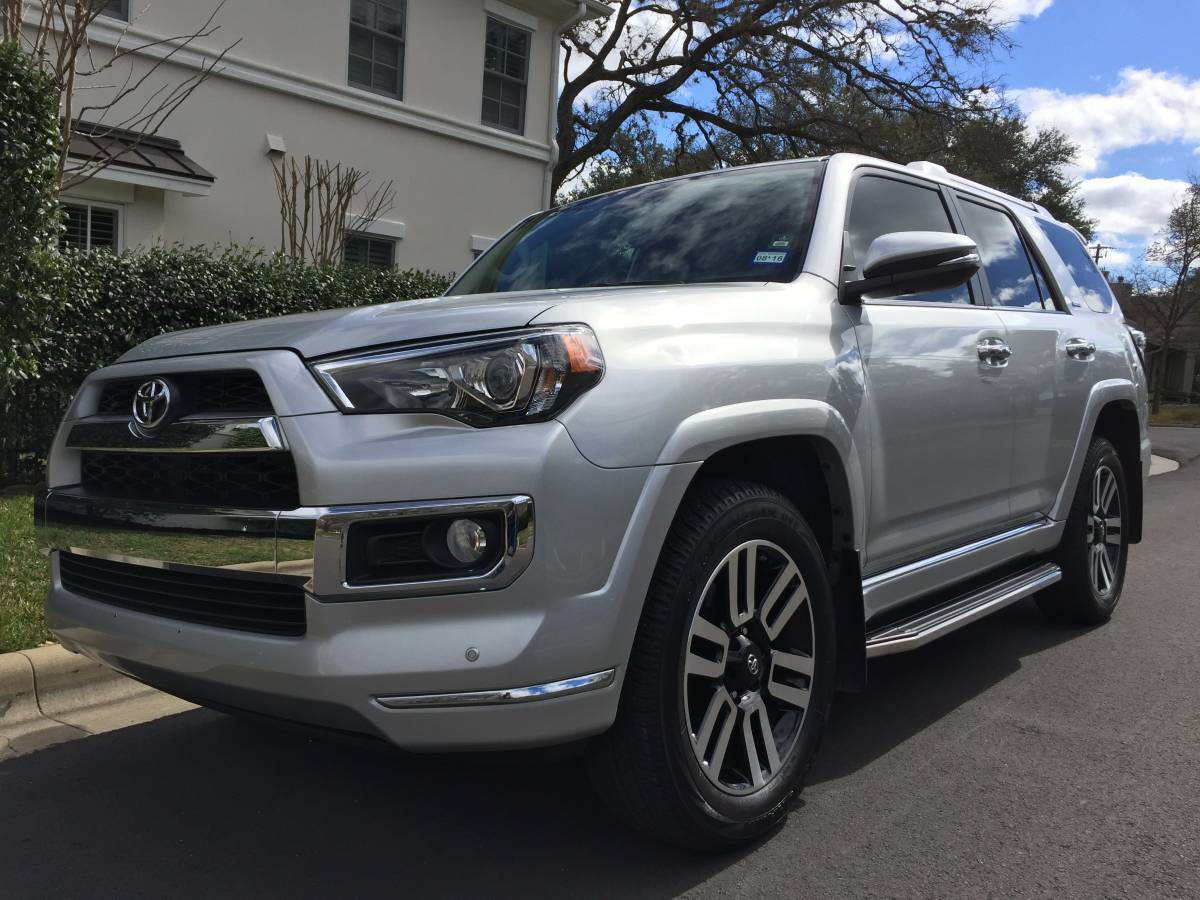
<point x="202" y="805"/>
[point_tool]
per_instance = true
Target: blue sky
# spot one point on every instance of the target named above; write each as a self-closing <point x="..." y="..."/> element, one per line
<point x="1122" y="79"/>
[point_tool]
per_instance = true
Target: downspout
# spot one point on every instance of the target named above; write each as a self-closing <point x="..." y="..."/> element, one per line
<point x="552" y="119"/>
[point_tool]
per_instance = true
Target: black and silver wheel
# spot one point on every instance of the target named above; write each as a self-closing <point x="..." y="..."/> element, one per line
<point x="1094" y="545"/>
<point x="748" y="667"/>
<point x="731" y="675"/>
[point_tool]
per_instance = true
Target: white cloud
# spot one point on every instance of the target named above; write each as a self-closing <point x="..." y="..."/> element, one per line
<point x="1130" y="206"/>
<point x="1145" y="107"/>
<point x="1012" y="10"/>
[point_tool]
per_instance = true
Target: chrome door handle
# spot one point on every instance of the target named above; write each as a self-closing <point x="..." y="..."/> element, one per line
<point x="994" y="352"/>
<point x="1080" y="349"/>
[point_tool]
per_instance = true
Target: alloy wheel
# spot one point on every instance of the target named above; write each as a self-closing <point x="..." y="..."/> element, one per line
<point x="1104" y="531"/>
<point x="748" y="667"/>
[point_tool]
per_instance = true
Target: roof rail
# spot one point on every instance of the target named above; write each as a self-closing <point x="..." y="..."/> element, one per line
<point x="923" y="167"/>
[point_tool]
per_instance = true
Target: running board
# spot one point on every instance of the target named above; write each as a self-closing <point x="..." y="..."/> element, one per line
<point x="919" y="630"/>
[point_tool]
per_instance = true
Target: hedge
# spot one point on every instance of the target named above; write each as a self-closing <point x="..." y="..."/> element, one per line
<point x="114" y="302"/>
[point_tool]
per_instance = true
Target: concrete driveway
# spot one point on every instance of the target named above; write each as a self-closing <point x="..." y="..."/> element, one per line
<point x="1012" y="759"/>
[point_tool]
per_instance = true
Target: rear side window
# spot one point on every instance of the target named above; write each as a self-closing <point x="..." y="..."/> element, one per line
<point x="1089" y="287"/>
<point x="883" y="205"/>
<point x="1011" y="274"/>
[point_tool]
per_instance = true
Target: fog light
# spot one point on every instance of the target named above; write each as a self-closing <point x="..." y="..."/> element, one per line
<point x="466" y="540"/>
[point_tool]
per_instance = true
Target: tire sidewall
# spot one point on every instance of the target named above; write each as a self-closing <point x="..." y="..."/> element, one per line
<point x="1075" y="560"/>
<point x="755" y="519"/>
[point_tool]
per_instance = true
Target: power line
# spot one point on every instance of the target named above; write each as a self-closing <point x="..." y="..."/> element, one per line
<point x="1098" y="251"/>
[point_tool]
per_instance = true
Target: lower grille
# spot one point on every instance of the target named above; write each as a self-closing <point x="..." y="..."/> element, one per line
<point x="222" y="601"/>
<point x="242" y="480"/>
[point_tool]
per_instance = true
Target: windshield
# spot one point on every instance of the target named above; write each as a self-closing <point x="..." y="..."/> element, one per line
<point x="736" y="225"/>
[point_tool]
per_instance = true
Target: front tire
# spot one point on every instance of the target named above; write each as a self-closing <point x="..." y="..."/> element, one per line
<point x="1095" y="544"/>
<point x="731" y="676"/>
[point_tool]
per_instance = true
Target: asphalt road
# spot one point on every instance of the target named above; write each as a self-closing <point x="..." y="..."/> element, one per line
<point x="1012" y="759"/>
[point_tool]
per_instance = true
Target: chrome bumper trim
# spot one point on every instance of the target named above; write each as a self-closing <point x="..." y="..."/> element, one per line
<point x="564" y="688"/>
<point x="305" y="545"/>
<point x="184" y="436"/>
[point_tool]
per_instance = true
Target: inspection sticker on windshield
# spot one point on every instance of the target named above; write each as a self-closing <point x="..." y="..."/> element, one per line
<point x="770" y="256"/>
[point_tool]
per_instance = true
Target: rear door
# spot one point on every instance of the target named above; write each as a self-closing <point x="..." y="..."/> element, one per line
<point x="1048" y="378"/>
<point x="940" y="413"/>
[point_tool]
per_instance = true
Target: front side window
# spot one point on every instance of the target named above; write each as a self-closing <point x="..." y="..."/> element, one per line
<point x="377" y="46"/>
<point x="367" y="250"/>
<point x="88" y="227"/>
<point x="751" y="224"/>
<point x="505" y="75"/>
<point x="1089" y="287"/>
<point x="1011" y="274"/>
<point x="883" y="205"/>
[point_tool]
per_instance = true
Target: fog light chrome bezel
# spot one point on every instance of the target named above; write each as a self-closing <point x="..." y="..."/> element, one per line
<point x="331" y="528"/>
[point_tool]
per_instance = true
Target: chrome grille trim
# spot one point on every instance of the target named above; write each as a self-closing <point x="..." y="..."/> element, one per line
<point x="262" y="435"/>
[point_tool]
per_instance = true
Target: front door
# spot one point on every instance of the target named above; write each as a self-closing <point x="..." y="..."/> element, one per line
<point x="939" y="407"/>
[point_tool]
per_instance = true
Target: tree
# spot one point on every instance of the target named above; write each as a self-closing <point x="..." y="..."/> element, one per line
<point x="125" y="92"/>
<point x="754" y="74"/>
<point x="1173" y="296"/>
<point x="315" y="202"/>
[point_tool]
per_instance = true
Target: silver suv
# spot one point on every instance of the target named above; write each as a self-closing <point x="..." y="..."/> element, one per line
<point x="663" y="470"/>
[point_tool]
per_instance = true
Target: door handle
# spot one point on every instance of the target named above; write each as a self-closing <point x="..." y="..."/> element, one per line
<point x="994" y="352"/>
<point x="1081" y="349"/>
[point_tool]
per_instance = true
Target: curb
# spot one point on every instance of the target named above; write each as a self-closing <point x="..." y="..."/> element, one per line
<point x="49" y="695"/>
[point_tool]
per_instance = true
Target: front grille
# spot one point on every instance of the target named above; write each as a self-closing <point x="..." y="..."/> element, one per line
<point x="264" y="607"/>
<point x="229" y="393"/>
<point x="241" y="480"/>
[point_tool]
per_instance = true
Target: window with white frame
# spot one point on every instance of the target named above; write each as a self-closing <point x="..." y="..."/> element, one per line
<point x="505" y="75"/>
<point x="90" y="226"/>
<point x="377" y="46"/>
<point x="370" y="250"/>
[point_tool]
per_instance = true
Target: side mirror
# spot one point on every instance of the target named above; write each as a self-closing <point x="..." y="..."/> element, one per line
<point x="909" y="262"/>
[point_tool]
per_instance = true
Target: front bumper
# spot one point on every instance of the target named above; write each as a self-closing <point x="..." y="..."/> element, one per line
<point x="433" y="666"/>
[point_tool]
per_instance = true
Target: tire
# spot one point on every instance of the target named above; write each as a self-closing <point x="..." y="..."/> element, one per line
<point x="1095" y="543"/>
<point x="646" y="766"/>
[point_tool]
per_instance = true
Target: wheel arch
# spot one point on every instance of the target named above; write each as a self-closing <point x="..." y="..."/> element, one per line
<point x="1118" y="422"/>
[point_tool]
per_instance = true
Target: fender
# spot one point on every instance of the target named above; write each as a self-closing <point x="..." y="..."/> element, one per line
<point x="702" y="434"/>
<point x="1102" y="393"/>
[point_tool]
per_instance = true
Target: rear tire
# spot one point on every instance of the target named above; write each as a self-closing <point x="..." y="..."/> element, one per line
<point x="1094" y="546"/>
<point x="727" y="691"/>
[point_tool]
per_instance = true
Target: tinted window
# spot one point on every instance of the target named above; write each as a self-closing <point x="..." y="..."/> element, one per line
<point x="1010" y="272"/>
<point x="1089" y="286"/>
<point x="741" y="225"/>
<point x="883" y="205"/>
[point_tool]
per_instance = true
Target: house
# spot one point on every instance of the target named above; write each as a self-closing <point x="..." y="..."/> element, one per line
<point x="451" y="100"/>
<point x="1182" y="380"/>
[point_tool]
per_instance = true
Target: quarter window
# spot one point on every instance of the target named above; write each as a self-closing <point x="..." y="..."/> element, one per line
<point x="89" y="227"/>
<point x="371" y="251"/>
<point x="1089" y="287"/>
<point x="377" y="46"/>
<point x="505" y="75"/>
<point x="883" y="205"/>
<point x="1011" y="274"/>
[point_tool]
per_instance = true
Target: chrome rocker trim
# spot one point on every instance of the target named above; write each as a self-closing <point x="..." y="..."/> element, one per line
<point x="261" y="435"/>
<point x="305" y="546"/>
<point x="563" y="688"/>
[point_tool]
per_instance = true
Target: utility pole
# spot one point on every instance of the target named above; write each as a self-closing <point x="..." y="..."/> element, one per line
<point x="1098" y="251"/>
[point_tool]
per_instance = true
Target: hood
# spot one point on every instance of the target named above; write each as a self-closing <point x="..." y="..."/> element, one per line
<point x="343" y="330"/>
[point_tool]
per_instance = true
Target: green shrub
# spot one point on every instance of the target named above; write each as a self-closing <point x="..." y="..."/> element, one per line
<point x="117" y="301"/>
<point x="29" y="213"/>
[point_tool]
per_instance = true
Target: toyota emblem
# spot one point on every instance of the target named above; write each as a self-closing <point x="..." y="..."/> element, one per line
<point x="151" y="403"/>
<point x="752" y="664"/>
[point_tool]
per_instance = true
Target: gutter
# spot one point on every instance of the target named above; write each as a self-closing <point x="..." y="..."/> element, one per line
<point x="581" y="11"/>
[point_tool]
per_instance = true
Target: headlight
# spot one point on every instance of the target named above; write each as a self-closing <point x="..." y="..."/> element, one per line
<point x="496" y="379"/>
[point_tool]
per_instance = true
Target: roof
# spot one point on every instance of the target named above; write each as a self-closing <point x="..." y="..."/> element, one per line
<point x="133" y="152"/>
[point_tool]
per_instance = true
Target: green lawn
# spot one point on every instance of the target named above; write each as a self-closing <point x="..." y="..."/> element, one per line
<point x="1177" y="414"/>
<point x="22" y="577"/>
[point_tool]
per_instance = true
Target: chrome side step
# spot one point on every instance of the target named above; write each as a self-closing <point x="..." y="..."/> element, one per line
<point x="918" y="630"/>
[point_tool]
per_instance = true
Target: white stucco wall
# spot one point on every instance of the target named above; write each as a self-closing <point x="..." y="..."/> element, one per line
<point x="455" y="179"/>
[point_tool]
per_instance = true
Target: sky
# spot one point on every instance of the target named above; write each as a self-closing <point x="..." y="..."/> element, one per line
<point x="1122" y="79"/>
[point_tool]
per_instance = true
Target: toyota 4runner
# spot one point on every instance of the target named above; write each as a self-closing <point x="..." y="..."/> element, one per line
<point x="662" y="470"/>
